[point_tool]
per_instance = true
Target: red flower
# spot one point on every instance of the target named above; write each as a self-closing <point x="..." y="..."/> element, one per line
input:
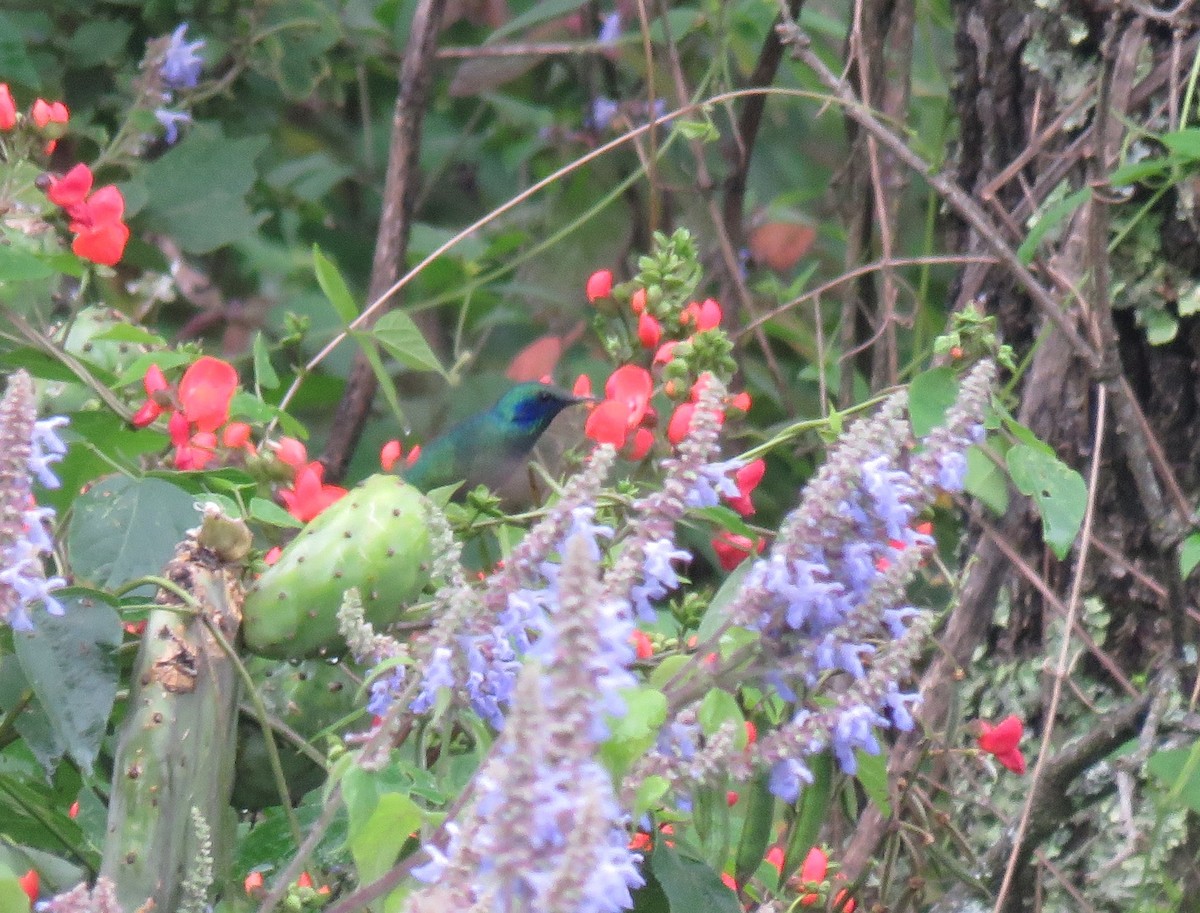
<point x="389" y="454"/>
<point x="681" y="422"/>
<point x="608" y="423"/>
<point x="733" y="549"/>
<point x="642" y="646"/>
<point x="30" y="884"/>
<point x="643" y="440"/>
<point x="1002" y="740"/>
<point x="309" y="495"/>
<point x="751" y="733"/>
<point x="774" y="857"/>
<point x="103" y="244"/>
<point x="253" y="884"/>
<point x="747" y="479"/>
<point x="304" y="881"/>
<point x="599" y="285"/>
<point x="70" y="190"/>
<point x="741" y="401"/>
<point x="155" y="384"/>
<point x="649" y="331"/>
<point x="236" y="436"/>
<point x="633" y="386"/>
<point x="731" y="798"/>
<point x="272" y="555"/>
<point x="640" y="842"/>
<point x="637" y="301"/>
<point x="73" y="811"/>
<point x="665" y="352"/>
<point x="8" y="108"/>
<point x="49" y="113"/>
<point x="206" y="391"/>
<point x="583" y="386"/>
<point x="728" y="881"/>
<point x="704" y="316"/>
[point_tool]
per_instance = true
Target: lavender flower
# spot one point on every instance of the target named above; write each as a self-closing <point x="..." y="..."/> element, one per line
<point x="603" y="113"/>
<point x="181" y="65"/>
<point x="544" y="830"/>
<point x="610" y="29"/>
<point x="171" y="121"/>
<point x="27" y="449"/>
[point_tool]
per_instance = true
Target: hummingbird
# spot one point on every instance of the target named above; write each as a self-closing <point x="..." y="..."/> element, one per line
<point x="489" y="447"/>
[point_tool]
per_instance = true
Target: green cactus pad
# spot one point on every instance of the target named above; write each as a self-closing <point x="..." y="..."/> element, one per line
<point x="376" y="538"/>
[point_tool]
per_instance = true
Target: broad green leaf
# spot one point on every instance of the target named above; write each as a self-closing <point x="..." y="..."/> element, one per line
<point x="32" y="724"/>
<point x="1161" y="326"/>
<point x="632" y="733"/>
<point x="690" y="885"/>
<point x="1178" y="769"/>
<point x="649" y="792"/>
<point x="872" y="776"/>
<point x="14" y="55"/>
<point x="1184" y="143"/>
<point x="930" y="395"/>
<point x="379" y="839"/>
<point x="371" y="353"/>
<point x="401" y="339"/>
<point x="986" y="481"/>
<point x="718" y="708"/>
<point x="1189" y="555"/>
<point x="1135" y="172"/>
<point x="1058" y="490"/>
<point x="1053" y="216"/>
<point x="197" y="191"/>
<point x="71" y="664"/>
<point x="270" y="512"/>
<point x="538" y="13"/>
<point x="98" y="41"/>
<point x="128" y="332"/>
<point x="334" y="286"/>
<point x="17" y="265"/>
<point x="124" y="528"/>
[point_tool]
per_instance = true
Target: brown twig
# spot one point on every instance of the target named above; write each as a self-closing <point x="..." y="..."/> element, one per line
<point x="395" y="222"/>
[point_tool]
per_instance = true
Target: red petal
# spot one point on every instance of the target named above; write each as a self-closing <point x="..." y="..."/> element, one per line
<point x="149" y="411"/>
<point x="775" y="857"/>
<point x="40" y="113"/>
<point x="608" y="423"/>
<point x="599" y="285"/>
<point x="8" y="108"/>
<point x="177" y="427"/>
<point x="649" y="331"/>
<point x="103" y="244"/>
<point x="583" y="386"/>
<point x="538" y="358"/>
<point x="632" y="385"/>
<point x="30" y="884"/>
<point x="154" y="381"/>
<point x="1003" y="737"/>
<point x="292" y="452"/>
<point x="637" y="301"/>
<point x="206" y="391"/>
<point x="681" y="422"/>
<point x="106" y="205"/>
<point x="1013" y="760"/>
<point x="389" y="454"/>
<point x="642" y="646"/>
<point x="709" y="315"/>
<point x="72" y="188"/>
<point x="731" y="549"/>
<point x="665" y="352"/>
<point x="816" y="864"/>
<point x="643" y="440"/>
<point x="235" y="435"/>
<point x="309" y="496"/>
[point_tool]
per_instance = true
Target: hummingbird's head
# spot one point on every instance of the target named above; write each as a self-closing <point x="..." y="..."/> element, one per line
<point x="530" y="408"/>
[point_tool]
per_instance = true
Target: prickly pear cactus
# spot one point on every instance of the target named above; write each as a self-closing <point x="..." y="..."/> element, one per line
<point x="175" y="750"/>
<point x="376" y="538"/>
<point x="307" y="697"/>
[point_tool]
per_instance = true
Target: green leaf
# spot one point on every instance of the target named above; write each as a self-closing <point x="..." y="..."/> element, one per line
<point x="1053" y="216"/>
<point x="1189" y="555"/>
<point x="371" y="353"/>
<point x="1178" y="769"/>
<point x="1161" y="326"/>
<point x="264" y="373"/>
<point x="14" y="56"/>
<point x="814" y="809"/>
<point x="632" y="733"/>
<point x="98" y="41"/>
<point x="334" y="286"/>
<point x="128" y="332"/>
<point x="690" y="885"/>
<point x="17" y="265"/>
<point x="269" y="512"/>
<point x="381" y="818"/>
<point x="70" y="662"/>
<point x="1136" y="172"/>
<point x="32" y="724"/>
<point x="197" y="191"/>
<point x="124" y="528"/>
<point x="648" y="794"/>
<point x="718" y="708"/>
<point x="1058" y="490"/>
<point x="401" y="339"/>
<point x="872" y="776"/>
<point x="1184" y="143"/>
<point x="714" y="615"/>
<point x="930" y="396"/>
<point x="986" y="481"/>
<point x="757" y="829"/>
<point x="701" y="130"/>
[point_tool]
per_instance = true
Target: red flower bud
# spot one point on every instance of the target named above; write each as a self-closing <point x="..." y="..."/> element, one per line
<point x="599" y="285"/>
<point x="8" y="108"/>
<point x="649" y="331"/>
<point x="637" y="301"/>
<point x="389" y="454"/>
<point x="31" y="885"/>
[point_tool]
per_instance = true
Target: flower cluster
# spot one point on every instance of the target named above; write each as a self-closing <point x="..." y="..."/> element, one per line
<point x="96" y="216"/>
<point x="27" y="449"/>
<point x="1002" y="741"/>
<point x="830" y="595"/>
<point x="544" y="830"/>
<point x="50" y="118"/>
<point x="308" y="494"/>
<point x="177" y="63"/>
